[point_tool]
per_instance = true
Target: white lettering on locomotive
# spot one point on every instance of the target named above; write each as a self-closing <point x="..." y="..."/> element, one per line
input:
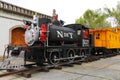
<point x="71" y="35"/>
<point x="64" y="34"/>
<point x="59" y="34"/>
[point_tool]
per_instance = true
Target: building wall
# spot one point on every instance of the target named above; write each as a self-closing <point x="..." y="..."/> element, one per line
<point x="5" y="25"/>
<point x="12" y="16"/>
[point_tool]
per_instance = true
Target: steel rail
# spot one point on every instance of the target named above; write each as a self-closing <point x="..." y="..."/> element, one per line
<point x="20" y="71"/>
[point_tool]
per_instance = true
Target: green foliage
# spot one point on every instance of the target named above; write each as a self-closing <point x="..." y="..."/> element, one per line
<point x="94" y="19"/>
<point x="115" y="13"/>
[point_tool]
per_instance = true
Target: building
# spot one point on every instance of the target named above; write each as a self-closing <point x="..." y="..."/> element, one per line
<point x="11" y="19"/>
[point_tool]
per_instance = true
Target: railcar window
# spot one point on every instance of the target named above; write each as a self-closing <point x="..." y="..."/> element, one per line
<point x="78" y="32"/>
<point x="98" y="36"/>
<point x="113" y="30"/>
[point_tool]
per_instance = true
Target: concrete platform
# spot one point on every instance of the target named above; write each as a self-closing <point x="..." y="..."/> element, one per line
<point x="103" y="69"/>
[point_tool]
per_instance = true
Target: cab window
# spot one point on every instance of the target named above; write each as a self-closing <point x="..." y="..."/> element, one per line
<point x="85" y="33"/>
<point x="79" y="32"/>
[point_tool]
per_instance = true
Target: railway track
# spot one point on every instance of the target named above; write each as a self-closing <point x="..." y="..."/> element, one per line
<point x="24" y="72"/>
<point x="28" y="71"/>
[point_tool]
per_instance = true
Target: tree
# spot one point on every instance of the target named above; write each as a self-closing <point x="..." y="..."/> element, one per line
<point x="94" y="19"/>
<point x="114" y="13"/>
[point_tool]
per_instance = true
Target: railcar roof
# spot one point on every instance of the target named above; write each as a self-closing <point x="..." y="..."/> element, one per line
<point x="105" y="29"/>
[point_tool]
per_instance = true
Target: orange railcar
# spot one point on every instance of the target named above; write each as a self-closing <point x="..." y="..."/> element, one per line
<point x="108" y="38"/>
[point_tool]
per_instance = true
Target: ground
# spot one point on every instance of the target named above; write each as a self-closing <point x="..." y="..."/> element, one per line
<point x="103" y="69"/>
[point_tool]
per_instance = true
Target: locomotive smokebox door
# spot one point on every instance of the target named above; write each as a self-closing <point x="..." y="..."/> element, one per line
<point x="31" y="35"/>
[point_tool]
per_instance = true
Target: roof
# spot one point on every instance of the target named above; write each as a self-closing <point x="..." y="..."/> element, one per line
<point x="76" y="25"/>
<point x="113" y="29"/>
<point x="20" y="10"/>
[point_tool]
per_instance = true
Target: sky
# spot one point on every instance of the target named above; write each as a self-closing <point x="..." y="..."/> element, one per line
<point x="67" y="10"/>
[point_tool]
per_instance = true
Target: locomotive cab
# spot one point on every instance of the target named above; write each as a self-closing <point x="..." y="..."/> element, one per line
<point x="83" y="39"/>
<point x="82" y="33"/>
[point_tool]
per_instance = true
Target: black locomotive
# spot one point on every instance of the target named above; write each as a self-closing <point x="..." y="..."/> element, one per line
<point x="52" y="43"/>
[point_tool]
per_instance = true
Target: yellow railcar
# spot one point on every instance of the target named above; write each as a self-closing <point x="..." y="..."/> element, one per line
<point x="108" y="38"/>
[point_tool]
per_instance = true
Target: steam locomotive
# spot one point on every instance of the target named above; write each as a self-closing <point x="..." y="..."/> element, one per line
<point x="52" y="43"/>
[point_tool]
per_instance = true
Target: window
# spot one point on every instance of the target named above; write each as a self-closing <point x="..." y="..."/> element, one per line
<point x="113" y="30"/>
<point x="85" y="33"/>
<point x="78" y="32"/>
<point x="98" y="36"/>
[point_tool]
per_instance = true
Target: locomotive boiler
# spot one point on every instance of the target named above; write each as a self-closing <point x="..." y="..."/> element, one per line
<point x="49" y="33"/>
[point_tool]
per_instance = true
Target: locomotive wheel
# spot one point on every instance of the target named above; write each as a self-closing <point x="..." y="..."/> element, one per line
<point x="83" y="56"/>
<point x="53" y="58"/>
<point x="118" y="51"/>
<point x="71" y="55"/>
<point x="82" y="53"/>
